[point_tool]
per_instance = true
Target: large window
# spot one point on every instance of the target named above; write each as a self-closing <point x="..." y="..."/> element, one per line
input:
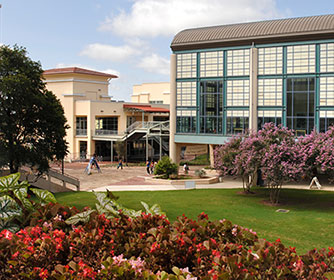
<point x="327" y="91"/>
<point x="270" y="92"/>
<point x="272" y="116"/>
<point x="270" y="61"/>
<point x="301" y="59"/>
<point x="186" y="121"/>
<point x="237" y="122"/>
<point x="326" y="120"/>
<point x="327" y="57"/>
<point x="237" y="93"/>
<point x="186" y="65"/>
<point x="106" y="125"/>
<point x="81" y="126"/>
<point x="211" y="64"/>
<point x="186" y="94"/>
<point x="211" y="107"/>
<point x="300" y="105"/>
<point x="238" y="62"/>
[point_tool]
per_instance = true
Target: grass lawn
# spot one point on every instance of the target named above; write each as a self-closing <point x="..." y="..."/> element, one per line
<point x="308" y="225"/>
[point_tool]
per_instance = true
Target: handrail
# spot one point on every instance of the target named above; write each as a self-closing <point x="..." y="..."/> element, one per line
<point x="147" y="125"/>
<point x="64" y="177"/>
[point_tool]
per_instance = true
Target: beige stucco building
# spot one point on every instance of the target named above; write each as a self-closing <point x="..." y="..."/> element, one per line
<point x="97" y="123"/>
<point x="153" y="93"/>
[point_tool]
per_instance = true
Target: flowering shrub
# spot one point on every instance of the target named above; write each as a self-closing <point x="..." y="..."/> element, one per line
<point x="279" y="156"/>
<point x="149" y="247"/>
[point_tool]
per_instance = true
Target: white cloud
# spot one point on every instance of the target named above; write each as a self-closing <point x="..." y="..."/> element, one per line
<point x="108" y="71"/>
<point x="109" y="52"/>
<point x="154" y="64"/>
<point x="151" y="18"/>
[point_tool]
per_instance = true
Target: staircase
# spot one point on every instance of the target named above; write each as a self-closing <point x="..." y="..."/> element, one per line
<point x="53" y="181"/>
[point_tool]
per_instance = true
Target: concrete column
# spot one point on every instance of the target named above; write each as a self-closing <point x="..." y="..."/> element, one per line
<point x="90" y="131"/>
<point x="172" y="116"/>
<point x="212" y="159"/>
<point x="111" y="151"/>
<point x="253" y="89"/>
<point x="146" y="145"/>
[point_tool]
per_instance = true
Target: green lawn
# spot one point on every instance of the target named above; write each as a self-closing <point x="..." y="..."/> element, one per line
<point x="309" y="224"/>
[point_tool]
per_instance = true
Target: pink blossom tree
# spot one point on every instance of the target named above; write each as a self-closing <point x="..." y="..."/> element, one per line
<point x="325" y="158"/>
<point x="281" y="163"/>
<point x="224" y="156"/>
<point x="248" y="160"/>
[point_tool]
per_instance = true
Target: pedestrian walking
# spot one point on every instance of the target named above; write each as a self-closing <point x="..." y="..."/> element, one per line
<point x="152" y="167"/>
<point x="120" y="164"/>
<point x="185" y="168"/>
<point x="91" y="164"/>
<point x="148" y="164"/>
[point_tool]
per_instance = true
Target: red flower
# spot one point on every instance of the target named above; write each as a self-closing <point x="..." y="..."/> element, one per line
<point x="43" y="274"/>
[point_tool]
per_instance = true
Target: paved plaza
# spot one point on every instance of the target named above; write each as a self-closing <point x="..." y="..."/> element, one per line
<point x="135" y="178"/>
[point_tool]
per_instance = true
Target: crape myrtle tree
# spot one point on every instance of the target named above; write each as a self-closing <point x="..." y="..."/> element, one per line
<point x="325" y="158"/>
<point x="248" y="159"/>
<point x="32" y="121"/>
<point x="273" y="150"/>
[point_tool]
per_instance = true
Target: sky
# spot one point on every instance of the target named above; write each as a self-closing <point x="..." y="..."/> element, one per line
<point x="128" y="38"/>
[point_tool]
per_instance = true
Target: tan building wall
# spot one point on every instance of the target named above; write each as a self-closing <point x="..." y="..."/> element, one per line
<point x="154" y="93"/>
<point x="86" y="95"/>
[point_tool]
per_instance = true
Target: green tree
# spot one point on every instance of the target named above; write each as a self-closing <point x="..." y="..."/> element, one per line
<point x="32" y="121"/>
<point x="165" y="167"/>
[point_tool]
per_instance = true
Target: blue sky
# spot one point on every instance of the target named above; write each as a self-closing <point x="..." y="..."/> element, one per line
<point x="129" y="38"/>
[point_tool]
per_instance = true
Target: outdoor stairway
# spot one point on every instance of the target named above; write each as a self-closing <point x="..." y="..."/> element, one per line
<point x="53" y="181"/>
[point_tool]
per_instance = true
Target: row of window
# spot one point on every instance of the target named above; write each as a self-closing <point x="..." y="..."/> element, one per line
<point x="238" y="122"/>
<point x="270" y="91"/>
<point x="103" y="126"/>
<point x="300" y="107"/>
<point x="299" y="59"/>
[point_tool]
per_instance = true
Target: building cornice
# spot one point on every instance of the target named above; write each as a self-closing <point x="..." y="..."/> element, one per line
<point x="76" y="80"/>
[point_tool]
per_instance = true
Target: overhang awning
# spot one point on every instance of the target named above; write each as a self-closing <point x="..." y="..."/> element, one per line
<point x="145" y="108"/>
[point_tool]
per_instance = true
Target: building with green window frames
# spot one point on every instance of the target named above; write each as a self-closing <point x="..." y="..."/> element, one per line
<point x="226" y="79"/>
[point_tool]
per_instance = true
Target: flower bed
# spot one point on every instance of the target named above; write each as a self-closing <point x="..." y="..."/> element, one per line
<point x="149" y="247"/>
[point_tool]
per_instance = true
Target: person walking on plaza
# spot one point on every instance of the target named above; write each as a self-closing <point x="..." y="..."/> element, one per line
<point x="185" y="168"/>
<point x="152" y="167"/>
<point x="120" y="164"/>
<point x="91" y="163"/>
<point x="148" y="164"/>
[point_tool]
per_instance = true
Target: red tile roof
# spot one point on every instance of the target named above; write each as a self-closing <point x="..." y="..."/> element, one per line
<point x="146" y="108"/>
<point x="77" y="70"/>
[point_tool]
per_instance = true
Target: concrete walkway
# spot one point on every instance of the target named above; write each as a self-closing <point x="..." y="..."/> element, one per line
<point x="227" y="184"/>
<point x="134" y="178"/>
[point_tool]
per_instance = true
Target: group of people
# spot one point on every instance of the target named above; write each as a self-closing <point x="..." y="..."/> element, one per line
<point x="150" y="165"/>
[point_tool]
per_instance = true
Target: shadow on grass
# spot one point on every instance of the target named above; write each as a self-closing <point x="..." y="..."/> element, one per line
<point x="298" y="199"/>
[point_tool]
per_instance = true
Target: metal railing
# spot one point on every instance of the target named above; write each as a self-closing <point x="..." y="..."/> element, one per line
<point x="147" y="125"/>
<point x="105" y="132"/>
<point x="81" y="132"/>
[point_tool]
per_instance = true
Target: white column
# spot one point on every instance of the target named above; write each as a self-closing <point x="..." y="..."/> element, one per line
<point x="253" y="89"/>
<point x="172" y="108"/>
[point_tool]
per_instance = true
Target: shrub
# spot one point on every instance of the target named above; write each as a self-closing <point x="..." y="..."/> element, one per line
<point x="165" y="167"/>
<point x="16" y="207"/>
<point x="200" y="173"/>
<point x="149" y="247"/>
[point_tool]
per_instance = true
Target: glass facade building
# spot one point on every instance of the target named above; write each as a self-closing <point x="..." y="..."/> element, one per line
<point x="225" y="88"/>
